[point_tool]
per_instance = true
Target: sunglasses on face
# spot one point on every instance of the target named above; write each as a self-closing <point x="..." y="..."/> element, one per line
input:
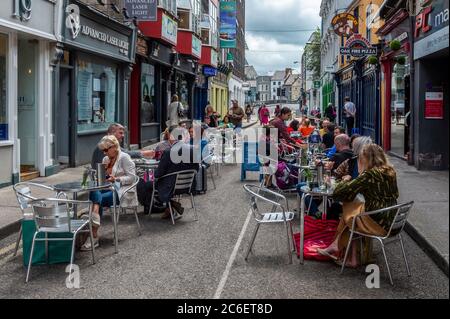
<point x="105" y="150"/>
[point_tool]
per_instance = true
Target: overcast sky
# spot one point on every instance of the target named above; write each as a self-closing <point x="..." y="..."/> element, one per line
<point x="276" y="15"/>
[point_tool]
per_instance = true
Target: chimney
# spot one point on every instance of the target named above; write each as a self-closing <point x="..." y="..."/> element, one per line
<point x="287" y="72"/>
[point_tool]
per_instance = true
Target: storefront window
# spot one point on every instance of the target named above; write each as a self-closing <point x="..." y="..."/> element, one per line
<point x="96" y="94"/>
<point x="183" y="91"/>
<point x="3" y="105"/>
<point x="148" y="110"/>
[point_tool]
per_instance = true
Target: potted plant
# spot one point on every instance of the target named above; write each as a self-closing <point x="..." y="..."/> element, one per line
<point x="395" y="45"/>
<point x="309" y="177"/>
<point x="400" y="60"/>
<point x="373" y="60"/>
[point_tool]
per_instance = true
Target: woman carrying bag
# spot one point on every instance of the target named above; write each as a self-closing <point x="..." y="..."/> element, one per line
<point x="176" y="112"/>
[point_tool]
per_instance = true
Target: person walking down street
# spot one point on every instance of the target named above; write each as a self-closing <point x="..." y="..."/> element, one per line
<point x="236" y="115"/>
<point x="175" y="111"/>
<point x="277" y="110"/>
<point x="330" y="112"/>
<point x="248" y="112"/>
<point x="259" y="114"/>
<point x="213" y="116"/>
<point x="349" y="114"/>
<point x="264" y="114"/>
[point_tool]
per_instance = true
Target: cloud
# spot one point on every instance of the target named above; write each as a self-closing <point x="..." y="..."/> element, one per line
<point x="278" y="15"/>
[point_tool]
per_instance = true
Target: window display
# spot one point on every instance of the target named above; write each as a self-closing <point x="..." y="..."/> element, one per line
<point x="96" y="94"/>
<point x="148" y="110"/>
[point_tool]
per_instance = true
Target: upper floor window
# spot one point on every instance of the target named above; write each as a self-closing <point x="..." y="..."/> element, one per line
<point x="369" y="17"/>
<point x="169" y="5"/>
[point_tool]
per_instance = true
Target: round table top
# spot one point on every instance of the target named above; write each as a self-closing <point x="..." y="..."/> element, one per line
<point x="74" y="187"/>
<point x="317" y="191"/>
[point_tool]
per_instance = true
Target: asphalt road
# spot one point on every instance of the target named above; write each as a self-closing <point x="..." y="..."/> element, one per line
<point x="205" y="259"/>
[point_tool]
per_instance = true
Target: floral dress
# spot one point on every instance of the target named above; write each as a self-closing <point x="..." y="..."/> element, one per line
<point x="379" y="188"/>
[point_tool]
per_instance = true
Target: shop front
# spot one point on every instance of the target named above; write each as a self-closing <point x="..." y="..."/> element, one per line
<point x="93" y="81"/>
<point x="219" y="91"/>
<point x="27" y="54"/>
<point x="430" y="116"/>
<point x="208" y="62"/>
<point x="395" y="67"/>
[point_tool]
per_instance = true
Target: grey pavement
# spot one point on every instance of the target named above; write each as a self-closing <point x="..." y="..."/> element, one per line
<point x="429" y="219"/>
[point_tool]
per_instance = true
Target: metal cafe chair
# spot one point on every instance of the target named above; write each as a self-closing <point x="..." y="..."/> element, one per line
<point x="25" y="192"/>
<point x="123" y="209"/>
<point x="183" y="186"/>
<point x="53" y="215"/>
<point x="278" y="214"/>
<point x="393" y="235"/>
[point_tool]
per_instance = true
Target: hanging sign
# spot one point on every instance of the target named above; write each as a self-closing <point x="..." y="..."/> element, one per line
<point x="434" y="105"/>
<point x="357" y="46"/>
<point x="142" y="10"/>
<point x="227" y="27"/>
<point x="344" y="24"/>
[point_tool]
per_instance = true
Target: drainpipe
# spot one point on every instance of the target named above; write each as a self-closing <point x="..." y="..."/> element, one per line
<point x="412" y="83"/>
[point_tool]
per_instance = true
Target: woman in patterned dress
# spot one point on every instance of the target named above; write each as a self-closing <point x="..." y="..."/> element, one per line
<point x="377" y="182"/>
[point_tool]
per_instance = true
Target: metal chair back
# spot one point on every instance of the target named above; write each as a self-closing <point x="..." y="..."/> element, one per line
<point x="25" y="193"/>
<point x="133" y="186"/>
<point x="261" y="193"/>
<point x="184" y="181"/>
<point x="401" y="216"/>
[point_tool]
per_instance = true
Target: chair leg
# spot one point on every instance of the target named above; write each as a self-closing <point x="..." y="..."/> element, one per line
<point x="137" y="221"/>
<point x="72" y="253"/>
<point x="387" y="264"/>
<point x="212" y="178"/>
<point x="171" y="213"/>
<point x="404" y="255"/>
<point x="18" y="241"/>
<point x="252" y="241"/>
<point x="347" y="251"/>
<point x="288" y="243"/>
<point x="91" y="236"/>
<point x="193" y="206"/>
<point x="31" y="257"/>
<point x="292" y="237"/>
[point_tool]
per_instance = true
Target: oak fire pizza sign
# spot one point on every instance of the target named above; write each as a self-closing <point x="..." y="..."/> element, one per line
<point x="357" y="46"/>
<point x="434" y="105"/>
<point x="344" y="24"/>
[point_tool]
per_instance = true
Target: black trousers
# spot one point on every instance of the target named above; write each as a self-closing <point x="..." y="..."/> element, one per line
<point x="350" y="123"/>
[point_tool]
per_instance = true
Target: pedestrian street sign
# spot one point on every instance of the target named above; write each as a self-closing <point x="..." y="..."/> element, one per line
<point x="317" y="84"/>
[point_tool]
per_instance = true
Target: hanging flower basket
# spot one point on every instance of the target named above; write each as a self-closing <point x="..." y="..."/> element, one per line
<point x="395" y="45"/>
<point x="401" y="60"/>
<point x="373" y="60"/>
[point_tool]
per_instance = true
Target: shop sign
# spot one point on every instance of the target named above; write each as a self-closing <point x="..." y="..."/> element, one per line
<point x="142" y="10"/>
<point x="317" y="84"/>
<point x="345" y="24"/>
<point x="196" y="47"/>
<point x="434" y="105"/>
<point x="228" y="24"/>
<point x="431" y="32"/>
<point x="169" y="29"/>
<point x="230" y="57"/>
<point x="357" y="46"/>
<point x="209" y="71"/>
<point x="22" y="9"/>
<point x="87" y="33"/>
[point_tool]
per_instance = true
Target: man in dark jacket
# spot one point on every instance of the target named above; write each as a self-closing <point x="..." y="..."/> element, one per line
<point x="343" y="151"/>
<point x="177" y="158"/>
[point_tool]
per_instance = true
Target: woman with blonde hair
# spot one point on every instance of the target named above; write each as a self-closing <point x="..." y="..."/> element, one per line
<point x="377" y="183"/>
<point x="120" y="171"/>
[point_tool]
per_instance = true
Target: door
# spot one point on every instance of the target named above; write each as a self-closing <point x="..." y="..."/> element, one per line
<point x="63" y="118"/>
<point x="27" y="104"/>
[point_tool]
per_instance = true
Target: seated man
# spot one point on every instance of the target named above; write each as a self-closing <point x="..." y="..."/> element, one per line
<point x="166" y="166"/>
<point x="328" y="137"/>
<point x="343" y="152"/>
<point x="338" y="130"/>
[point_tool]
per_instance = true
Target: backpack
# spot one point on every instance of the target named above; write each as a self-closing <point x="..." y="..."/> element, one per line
<point x="283" y="176"/>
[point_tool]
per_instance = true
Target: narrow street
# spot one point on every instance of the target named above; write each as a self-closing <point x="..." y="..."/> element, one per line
<point x="205" y="259"/>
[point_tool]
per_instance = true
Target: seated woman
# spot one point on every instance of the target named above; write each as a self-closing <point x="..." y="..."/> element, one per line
<point x="377" y="182"/>
<point x="293" y="130"/>
<point x="226" y="123"/>
<point x="119" y="171"/>
<point x="306" y="128"/>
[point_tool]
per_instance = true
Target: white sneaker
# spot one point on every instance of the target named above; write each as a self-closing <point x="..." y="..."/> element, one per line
<point x="87" y="244"/>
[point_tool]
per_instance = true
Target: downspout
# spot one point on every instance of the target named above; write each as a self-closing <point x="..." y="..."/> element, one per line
<point x="412" y="83"/>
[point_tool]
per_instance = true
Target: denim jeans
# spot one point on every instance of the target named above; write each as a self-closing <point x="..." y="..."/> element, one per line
<point x="103" y="198"/>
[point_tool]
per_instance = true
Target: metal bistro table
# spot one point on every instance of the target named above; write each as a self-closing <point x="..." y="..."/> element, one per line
<point x="314" y="192"/>
<point x="76" y="187"/>
<point x="144" y="166"/>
